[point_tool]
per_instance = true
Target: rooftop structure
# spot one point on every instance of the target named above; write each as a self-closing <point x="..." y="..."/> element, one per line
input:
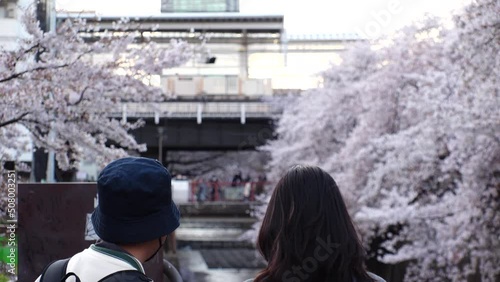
<point x="179" y="6"/>
<point x="220" y="27"/>
<point x="241" y="46"/>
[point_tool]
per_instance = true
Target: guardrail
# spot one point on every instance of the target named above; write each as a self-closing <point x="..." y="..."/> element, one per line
<point x="196" y="110"/>
<point x="226" y="191"/>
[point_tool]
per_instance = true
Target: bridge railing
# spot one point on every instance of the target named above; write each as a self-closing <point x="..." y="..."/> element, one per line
<point x="206" y="191"/>
<point x="194" y="110"/>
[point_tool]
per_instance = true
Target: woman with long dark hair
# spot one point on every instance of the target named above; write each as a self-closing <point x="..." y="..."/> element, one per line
<point x="307" y="233"/>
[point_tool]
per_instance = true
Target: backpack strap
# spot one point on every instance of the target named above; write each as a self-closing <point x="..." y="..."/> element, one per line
<point x="55" y="271"/>
<point x="126" y="275"/>
<point x="69" y="275"/>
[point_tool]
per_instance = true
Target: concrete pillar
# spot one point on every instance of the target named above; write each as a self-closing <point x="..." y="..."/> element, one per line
<point x="244" y="56"/>
<point x="243" y="117"/>
<point x="199" y="113"/>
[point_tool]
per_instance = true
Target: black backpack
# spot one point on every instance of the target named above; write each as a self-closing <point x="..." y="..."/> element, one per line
<point x="56" y="272"/>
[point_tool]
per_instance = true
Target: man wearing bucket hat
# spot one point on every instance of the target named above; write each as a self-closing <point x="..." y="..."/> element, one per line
<point x="134" y="215"/>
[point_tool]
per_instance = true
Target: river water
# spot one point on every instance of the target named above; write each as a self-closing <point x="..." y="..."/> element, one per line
<point x="210" y="250"/>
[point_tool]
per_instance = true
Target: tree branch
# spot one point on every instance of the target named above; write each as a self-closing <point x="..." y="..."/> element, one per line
<point x="81" y="96"/>
<point x="14" y="120"/>
<point x="27" y="51"/>
<point x="16" y="75"/>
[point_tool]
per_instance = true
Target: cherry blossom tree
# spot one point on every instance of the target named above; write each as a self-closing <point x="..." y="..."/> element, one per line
<point x="62" y="89"/>
<point x="408" y="126"/>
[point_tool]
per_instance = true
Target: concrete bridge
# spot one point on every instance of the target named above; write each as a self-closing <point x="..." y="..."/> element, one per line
<point x="201" y="125"/>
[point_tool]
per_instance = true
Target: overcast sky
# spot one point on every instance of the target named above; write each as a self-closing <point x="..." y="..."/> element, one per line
<point x="310" y="16"/>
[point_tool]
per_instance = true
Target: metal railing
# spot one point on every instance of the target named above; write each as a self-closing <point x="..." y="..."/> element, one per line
<point x="194" y="110"/>
<point x="202" y="191"/>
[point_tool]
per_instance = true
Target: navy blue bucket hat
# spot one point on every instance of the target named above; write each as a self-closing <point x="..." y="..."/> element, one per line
<point x="134" y="202"/>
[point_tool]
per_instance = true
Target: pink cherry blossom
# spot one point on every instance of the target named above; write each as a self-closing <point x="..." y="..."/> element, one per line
<point x="409" y="127"/>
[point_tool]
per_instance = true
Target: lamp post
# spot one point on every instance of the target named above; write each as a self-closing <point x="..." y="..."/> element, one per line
<point x="46" y="14"/>
<point x="51" y="19"/>
<point x="160" y="144"/>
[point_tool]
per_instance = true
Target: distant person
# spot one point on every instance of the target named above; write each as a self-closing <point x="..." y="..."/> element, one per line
<point x="247" y="189"/>
<point x="307" y="234"/>
<point x="135" y="213"/>
<point x="215" y="190"/>
<point x="259" y="186"/>
<point x="237" y="179"/>
<point x="202" y="191"/>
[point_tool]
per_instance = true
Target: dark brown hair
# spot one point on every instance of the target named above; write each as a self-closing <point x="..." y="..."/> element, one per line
<point x="307" y="233"/>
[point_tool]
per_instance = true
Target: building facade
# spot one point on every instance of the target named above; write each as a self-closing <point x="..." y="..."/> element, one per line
<point x="11" y="28"/>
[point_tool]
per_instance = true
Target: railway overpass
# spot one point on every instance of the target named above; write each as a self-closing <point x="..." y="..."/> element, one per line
<point x="217" y="125"/>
